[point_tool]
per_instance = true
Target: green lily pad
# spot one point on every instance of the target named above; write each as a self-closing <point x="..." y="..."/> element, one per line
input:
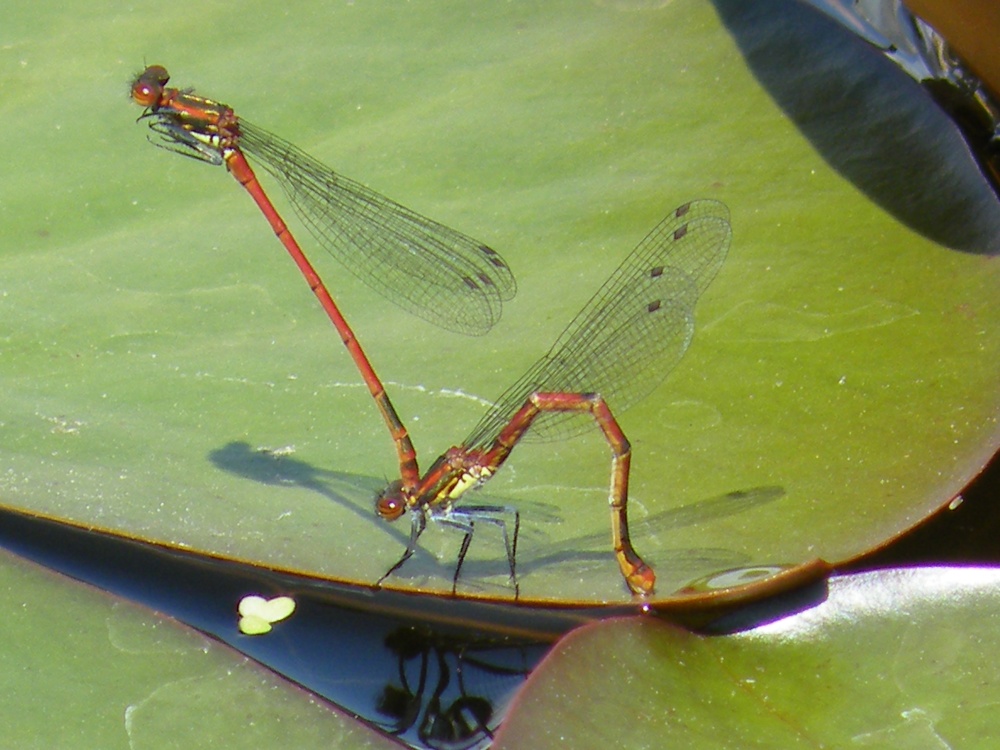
<point x="88" y="670"/>
<point x="158" y="346"/>
<point x="892" y="659"/>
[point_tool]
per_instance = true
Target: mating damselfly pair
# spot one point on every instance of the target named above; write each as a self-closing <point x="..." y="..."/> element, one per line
<point x="621" y="346"/>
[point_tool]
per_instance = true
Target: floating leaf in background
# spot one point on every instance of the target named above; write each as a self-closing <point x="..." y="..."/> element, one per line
<point x="891" y="659"/>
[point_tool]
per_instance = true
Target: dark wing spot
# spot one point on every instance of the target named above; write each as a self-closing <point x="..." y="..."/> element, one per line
<point x="470" y="282"/>
<point x="492" y="256"/>
<point x="485" y="279"/>
<point x="656" y="272"/>
<point x="681" y="210"/>
<point x="681" y="231"/>
<point x="653" y="306"/>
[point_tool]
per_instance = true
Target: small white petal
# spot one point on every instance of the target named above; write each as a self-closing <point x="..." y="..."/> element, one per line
<point x="254" y="625"/>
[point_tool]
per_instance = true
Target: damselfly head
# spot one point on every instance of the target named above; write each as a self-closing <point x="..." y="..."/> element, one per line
<point x="147" y="88"/>
<point x="391" y="503"/>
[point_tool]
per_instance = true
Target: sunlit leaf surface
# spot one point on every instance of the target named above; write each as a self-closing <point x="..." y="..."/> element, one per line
<point x="165" y="373"/>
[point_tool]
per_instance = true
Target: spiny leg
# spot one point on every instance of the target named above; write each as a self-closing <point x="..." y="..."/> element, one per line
<point x="468" y="528"/>
<point x="418" y="524"/>
<point x="492" y="514"/>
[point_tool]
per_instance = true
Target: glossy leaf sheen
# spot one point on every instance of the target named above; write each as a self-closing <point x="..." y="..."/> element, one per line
<point x="892" y="659"/>
<point x="166" y="374"/>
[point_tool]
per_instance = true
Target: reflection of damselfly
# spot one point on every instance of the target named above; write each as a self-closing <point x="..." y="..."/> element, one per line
<point x="618" y="348"/>
<point x="452" y="691"/>
<point x="425" y="267"/>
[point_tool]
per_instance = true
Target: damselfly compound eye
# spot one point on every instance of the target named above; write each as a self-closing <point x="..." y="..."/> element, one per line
<point x="148" y="85"/>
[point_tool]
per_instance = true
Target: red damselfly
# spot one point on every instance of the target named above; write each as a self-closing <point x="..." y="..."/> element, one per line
<point x="623" y="344"/>
<point x="425" y="267"/>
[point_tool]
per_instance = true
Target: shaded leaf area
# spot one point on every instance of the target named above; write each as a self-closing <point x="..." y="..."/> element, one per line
<point x="88" y="670"/>
<point x="963" y="533"/>
<point x="871" y="123"/>
<point x="154" y="324"/>
<point x="948" y="48"/>
<point x="893" y="658"/>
